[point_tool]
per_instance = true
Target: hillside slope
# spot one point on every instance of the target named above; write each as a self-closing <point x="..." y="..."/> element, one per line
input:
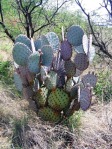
<point x="20" y="126"/>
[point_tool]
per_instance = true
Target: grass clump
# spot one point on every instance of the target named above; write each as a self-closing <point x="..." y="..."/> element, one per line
<point x="19" y="126"/>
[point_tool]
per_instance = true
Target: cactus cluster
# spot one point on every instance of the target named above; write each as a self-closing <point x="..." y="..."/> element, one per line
<point x="50" y="72"/>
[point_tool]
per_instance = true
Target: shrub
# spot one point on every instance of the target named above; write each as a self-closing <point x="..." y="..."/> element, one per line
<point x="103" y="88"/>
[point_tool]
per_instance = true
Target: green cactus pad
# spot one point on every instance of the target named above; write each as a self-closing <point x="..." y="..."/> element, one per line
<point x="70" y="68"/>
<point x="21" y="53"/>
<point x="53" y="40"/>
<point x="41" y="96"/>
<point x="18" y="82"/>
<point x="23" y="39"/>
<point x="51" y="80"/>
<point x="47" y="55"/>
<point x="33" y="62"/>
<point x="44" y="40"/>
<point x="38" y="44"/>
<point x="48" y="114"/>
<point x="58" y="99"/>
<point x="75" y="35"/>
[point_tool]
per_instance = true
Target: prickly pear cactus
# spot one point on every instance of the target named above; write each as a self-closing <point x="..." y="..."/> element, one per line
<point x="53" y="40"/>
<point x="58" y="99"/>
<point x="18" y="81"/>
<point x="38" y="44"/>
<point x="47" y="55"/>
<point x="23" y="39"/>
<point x="49" y="114"/>
<point x="41" y="96"/>
<point x="33" y="62"/>
<point x="75" y="35"/>
<point x="21" y="53"/>
<point x="50" y="72"/>
<point x="51" y="80"/>
<point x="66" y="50"/>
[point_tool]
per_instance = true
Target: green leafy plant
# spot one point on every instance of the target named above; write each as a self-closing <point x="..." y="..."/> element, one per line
<point x="5" y="72"/>
<point x="103" y="88"/>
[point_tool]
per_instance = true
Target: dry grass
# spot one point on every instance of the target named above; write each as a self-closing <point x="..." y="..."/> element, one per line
<point x="94" y="133"/>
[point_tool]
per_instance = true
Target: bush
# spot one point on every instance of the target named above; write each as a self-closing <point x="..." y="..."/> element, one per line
<point x="103" y="88"/>
<point x="5" y="72"/>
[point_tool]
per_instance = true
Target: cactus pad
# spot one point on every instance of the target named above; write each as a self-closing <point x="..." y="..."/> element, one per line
<point x="90" y="79"/>
<point x="81" y="61"/>
<point x="74" y="106"/>
<point x="18" y="82"/>
<point x="69" y="84"/>
<point x="26" y="75"/>
<point x="53" y="40"/>
<point x="58" y="99"/>
<point x="74" y="35"/>
<point x="79" y="49"/>
<point x="48" y="114"/>
<point x="61" y="81"/>
<point x="70" y="68"/>
<point x="66" y="50"/>
<point x="38" y="44"/>
<point x="47" y="55"/>
<point x="33" y="62"/>
<point x="85" y="99"/>
<point x="41" y="96"/>
<point x="23" y="39"/>
<point x="43" y="73"/>
<point x="51" y="80"/>
<point x="21" y="53"/>
<point x="44" y="40"/>
<point x="78" y="72"/>
<point x="74" y="92"/>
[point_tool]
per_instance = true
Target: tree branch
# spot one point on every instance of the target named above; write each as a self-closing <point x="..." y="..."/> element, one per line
<point x="40" y="3"/>
<point x="99" y="44"/>
<point x="7" y="32"/>
<point x="49" y="20"/>
<point x="3" y="24"/>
